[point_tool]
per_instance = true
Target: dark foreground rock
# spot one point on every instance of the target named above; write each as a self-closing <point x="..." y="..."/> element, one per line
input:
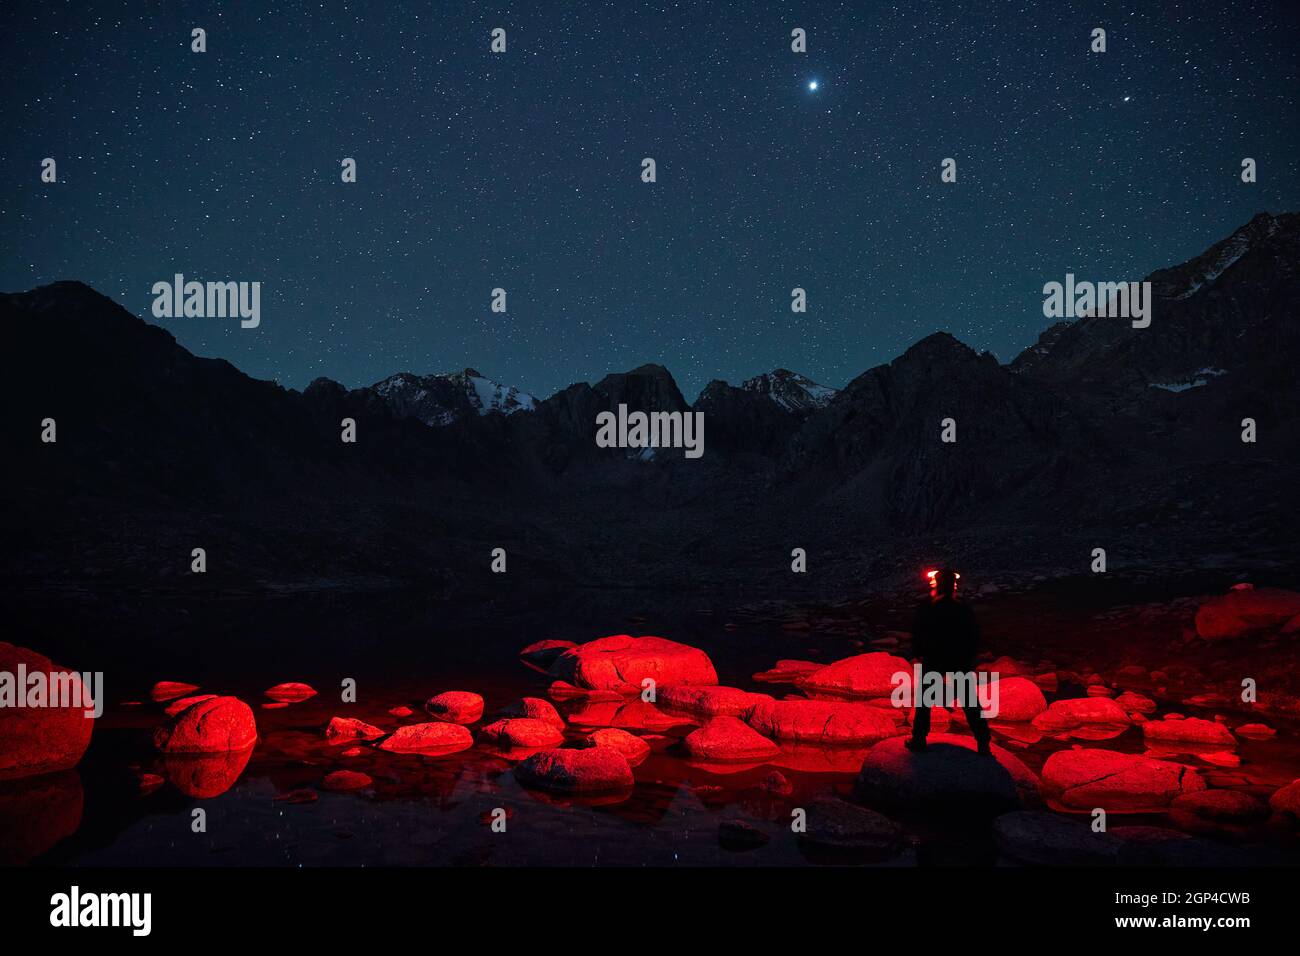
<point x="588" y="770"/>
<point x="948" y="776"/>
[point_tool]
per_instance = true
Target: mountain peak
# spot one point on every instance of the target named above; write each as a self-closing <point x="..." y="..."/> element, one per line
<point x="790" y="390"/>
<point x="938" y="346"/>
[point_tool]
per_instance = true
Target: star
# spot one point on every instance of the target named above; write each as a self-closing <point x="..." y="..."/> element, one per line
<point x="812" y="85"/>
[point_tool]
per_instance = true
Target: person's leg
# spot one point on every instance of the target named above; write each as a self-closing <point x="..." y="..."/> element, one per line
<point x="979" y="727"/>
<point x="920" y="727"/>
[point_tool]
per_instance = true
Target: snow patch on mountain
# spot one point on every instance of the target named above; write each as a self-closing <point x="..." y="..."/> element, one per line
<point x="790" y="390"/>
<point x="1200" y="377"/>
<point x="445" y="398"/>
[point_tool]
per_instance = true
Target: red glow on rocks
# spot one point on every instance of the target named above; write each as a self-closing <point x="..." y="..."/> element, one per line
<point x="211" y="725"/>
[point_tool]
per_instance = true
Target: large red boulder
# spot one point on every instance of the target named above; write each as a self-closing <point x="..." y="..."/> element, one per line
<point x="589" y="770"/>
<point x="708" y="701"/>
<point x="1241" y="611"/>
<point x="864" y="675"/>
<point x="621" y="662"/>
<point x="949" y="775"/>
<point x="433" y="737"/>
<point x="536" y="709"/>
<point x="728" y="739"/>
<point x="41" y="739"/>
<point x="1117" y="782"/>
<point x="213" y="725"/>
<point x="1077" y="711"/>
<point x="522" y="732"/>
<point x="1189" y="730"/>
<point x="1019" y="699"/>
<point x="829" y="723"/>
<point x="455" y="707"/>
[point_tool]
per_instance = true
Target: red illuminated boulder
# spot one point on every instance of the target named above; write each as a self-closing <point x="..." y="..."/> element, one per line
<point x="542" y="654"/>
<point x="346" y="780"/>
<point x="588" y="770"/>
<point x="1136" y="703"/>
<point x="1006" y="667"/>
<point x="209" y="726"/>
<point x="1117" y="782"/>
<point x="621" y="662"/>
<point x="1019" y="699"/>
<point x="166" y="690"/>
<point x="344" y="729"/>
<point x="1241" y="611"/>
<point x="728" y="739"/>
<point x="1077" y="711"/>
<point x="829" y="723"/>
<point x="40" y="739"/>
<point x="949" y="776"/>
<point x="1258" y="731"/>
<point x="1286" y="803"/>
<point x="290" y="693"/>
<point x="433" y="737"/>
<point x="865" y="675"/>
<point x="708" y="701"/>
<point x="1189" y="730"/>
<point x="522" y="732"/>
<point x="455" y="707"/>
<point x="630" y="746"/>
<point x="535" y="708"/>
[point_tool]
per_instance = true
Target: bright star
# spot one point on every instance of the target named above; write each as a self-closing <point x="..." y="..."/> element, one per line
<point x="812" y="85"/>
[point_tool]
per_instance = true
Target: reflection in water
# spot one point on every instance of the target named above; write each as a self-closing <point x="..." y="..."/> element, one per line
<point x="203" y="776"/>
<point x="36" y="813"/>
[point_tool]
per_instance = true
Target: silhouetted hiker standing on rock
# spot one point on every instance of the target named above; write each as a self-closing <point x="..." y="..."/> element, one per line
<point x="946" y="637"/>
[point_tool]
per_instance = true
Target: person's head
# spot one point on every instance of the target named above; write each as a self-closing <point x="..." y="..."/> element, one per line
<point x="943" y="582"/>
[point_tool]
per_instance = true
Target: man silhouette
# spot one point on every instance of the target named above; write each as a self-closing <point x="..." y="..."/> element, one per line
<point x="946" y="636"/>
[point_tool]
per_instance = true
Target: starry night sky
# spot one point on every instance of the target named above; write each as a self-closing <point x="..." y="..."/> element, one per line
<point x="522" y="170"/>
